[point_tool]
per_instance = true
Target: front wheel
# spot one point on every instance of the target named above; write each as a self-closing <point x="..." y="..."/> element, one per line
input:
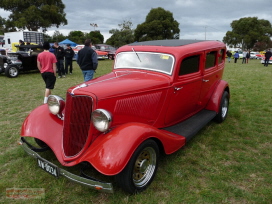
<point x="11" y="71"/>
<point x="224" y="108"/>
<point x="43" y="145"/>
<point x="141" y="168"/>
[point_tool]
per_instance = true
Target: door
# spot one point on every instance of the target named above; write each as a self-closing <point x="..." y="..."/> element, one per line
<point x="211" y="75"/>
<point x="185" y="90"/>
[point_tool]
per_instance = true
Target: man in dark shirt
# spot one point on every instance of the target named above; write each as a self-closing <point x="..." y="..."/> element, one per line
<point x="267" y="56"/>
<point x="69" y="54"/>
<point x="87" y="60"/>
<point x="59" y="53"/>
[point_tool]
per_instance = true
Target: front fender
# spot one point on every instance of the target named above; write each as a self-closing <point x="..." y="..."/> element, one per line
<point x="110" y="153"/>
<point x="41" y="124"/>
<point x="214" y="102"/>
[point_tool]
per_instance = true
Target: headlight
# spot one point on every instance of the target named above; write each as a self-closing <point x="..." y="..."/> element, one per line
<point x="55" y="104"/>
<point x="101" y="119"/>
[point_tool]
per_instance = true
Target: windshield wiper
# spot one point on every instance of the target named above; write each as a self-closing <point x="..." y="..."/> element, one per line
<point x="136" y="54"/>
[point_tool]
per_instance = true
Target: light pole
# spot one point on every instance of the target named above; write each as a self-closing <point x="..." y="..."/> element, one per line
<point x="93" y="25"/>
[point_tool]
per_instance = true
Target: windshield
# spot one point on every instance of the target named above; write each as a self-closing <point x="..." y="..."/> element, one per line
<point x="145" y="60"/>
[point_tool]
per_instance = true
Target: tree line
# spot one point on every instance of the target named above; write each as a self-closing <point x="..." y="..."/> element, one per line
<point x="247" y="33"/>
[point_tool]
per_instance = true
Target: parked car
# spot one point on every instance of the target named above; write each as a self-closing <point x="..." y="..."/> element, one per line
<point x="157" y="97"/>
<point x="100" y="54"/>
<point x="107" y="48"/>
<point x="15" y="62"/>
<point x="255" y="55"/>
<point x="263" y="58"/>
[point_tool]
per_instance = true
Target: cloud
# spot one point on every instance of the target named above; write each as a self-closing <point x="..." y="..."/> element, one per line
<point x="198" y="19"/>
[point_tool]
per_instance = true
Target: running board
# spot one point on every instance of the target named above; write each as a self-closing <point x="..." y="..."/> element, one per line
<point x="190" y="127"/>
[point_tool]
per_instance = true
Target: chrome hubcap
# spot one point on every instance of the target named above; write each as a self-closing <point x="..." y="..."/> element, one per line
<point x="13" y="71"/>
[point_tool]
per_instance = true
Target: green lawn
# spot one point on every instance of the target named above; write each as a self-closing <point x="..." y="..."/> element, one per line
<point x="225" y="163"/>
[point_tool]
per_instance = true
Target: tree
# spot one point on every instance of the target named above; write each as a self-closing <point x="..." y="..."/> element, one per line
<point x="260" y="46"/>
<point x="96" y="37"/>
<point x="2" y="25"/>
<point x="58" y="37"/>
<point x="33" y="14"/>
<point x="159" y="24"/>
<point x="246" y="32"/>
<point x="77" y="36"/>
<point x="122" y="36"/>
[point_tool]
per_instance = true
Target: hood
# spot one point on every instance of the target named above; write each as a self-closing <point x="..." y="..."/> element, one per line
<point x="120" y="83"/>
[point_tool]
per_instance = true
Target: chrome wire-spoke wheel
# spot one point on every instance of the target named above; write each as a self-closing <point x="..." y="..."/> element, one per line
<point x="145" y="166"/>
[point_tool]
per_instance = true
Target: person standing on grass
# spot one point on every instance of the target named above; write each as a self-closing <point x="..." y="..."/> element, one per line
<point x="247" y="56"/>
<point x="267" y="56"/>
<point x="244" y="57"/>
<point x="59" y="52"/>
<point x="87" y="60"/>
<point x="229" y="54"/>
<point x="236" y="56"/>
<point x="46" y="62"/>
<point x="69" y="54"/>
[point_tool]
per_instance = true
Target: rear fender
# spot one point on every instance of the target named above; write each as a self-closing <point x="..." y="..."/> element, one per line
<point x="110" y="153"/>
<point x="214" y="102"/>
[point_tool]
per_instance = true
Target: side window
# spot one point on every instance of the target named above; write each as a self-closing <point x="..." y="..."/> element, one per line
<point x="221" y="56"/>
<point x="210" y="59"/>
<point x="8" y="40"/>
<point x="189" y="65"/>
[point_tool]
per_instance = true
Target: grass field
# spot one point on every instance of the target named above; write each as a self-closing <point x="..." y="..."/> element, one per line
<point x="225" y="163"/>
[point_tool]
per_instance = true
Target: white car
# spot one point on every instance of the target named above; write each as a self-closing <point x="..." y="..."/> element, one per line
<point x="255" y="55"/>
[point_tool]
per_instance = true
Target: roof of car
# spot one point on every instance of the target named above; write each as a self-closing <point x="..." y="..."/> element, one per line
<point x="170" y="43"/>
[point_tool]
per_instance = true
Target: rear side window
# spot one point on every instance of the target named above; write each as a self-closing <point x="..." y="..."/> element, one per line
<point x="210" y="59"/>
<point x="221" y="56"/>
<point x="189" y="65"/>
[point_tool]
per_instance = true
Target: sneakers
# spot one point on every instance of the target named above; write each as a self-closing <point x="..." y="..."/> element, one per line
<point x="59" y="76"/>
<point x="64" y="76"/>
<point x="70" y="72"/>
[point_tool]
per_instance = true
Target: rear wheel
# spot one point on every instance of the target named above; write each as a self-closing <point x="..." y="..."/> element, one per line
<point x="224" y="108"/>
<point x="141" y="168"/>
<point x="11" y="71"/>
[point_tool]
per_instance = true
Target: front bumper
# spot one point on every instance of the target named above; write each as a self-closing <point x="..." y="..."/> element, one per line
<point x="92" y="183"/>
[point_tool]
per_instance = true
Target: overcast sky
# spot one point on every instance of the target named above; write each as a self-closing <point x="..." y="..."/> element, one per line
<point x="198" y="19"/>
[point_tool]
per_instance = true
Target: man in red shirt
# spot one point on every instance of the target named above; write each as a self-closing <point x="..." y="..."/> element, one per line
<point x="46" y="63"/>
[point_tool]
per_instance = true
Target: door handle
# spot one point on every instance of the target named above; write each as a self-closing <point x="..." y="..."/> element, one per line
<point x="205" y="80"/>
<point x="177" y="89"/>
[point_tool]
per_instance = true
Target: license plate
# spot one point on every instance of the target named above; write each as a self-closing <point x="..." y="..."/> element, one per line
<point x="48" y="167"/>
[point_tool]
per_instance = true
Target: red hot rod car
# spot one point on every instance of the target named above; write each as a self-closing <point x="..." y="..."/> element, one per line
<point x="157" y="97"/>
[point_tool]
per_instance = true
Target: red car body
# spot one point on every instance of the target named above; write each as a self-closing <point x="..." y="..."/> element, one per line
<point x="107" y="48"/>
<point x="157" y="97"/>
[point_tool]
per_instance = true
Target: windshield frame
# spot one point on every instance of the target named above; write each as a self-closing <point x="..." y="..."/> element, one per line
<point x="137" y="54"/>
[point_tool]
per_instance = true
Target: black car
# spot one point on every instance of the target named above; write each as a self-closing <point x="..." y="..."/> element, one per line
<point x="24" y="60"/>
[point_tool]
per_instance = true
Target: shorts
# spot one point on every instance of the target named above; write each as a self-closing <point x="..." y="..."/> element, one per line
<point x="49" y="79"/>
